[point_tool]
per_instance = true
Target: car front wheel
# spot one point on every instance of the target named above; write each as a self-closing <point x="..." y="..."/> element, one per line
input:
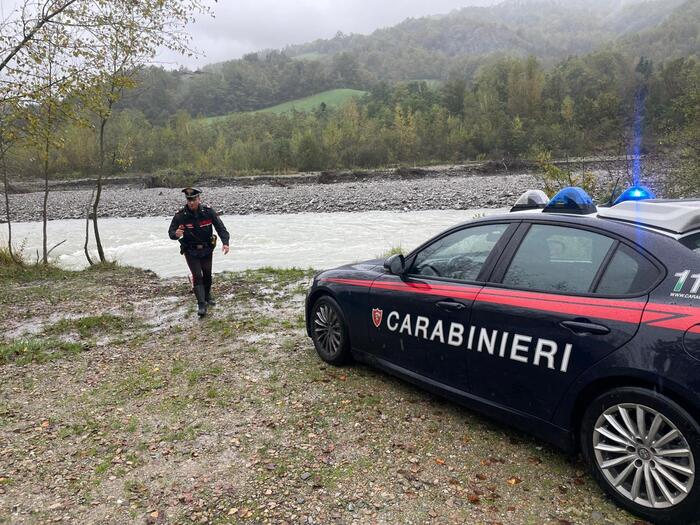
<point x="329" y="331"/>
<point x="642" y="448"/>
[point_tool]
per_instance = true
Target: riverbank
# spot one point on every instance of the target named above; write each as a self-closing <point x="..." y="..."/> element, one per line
<point x="438" y="193"/>
<point x="482" y="185"/>
<point x="117" y="405"/>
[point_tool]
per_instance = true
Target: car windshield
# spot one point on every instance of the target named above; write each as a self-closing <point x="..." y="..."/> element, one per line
<point x="692" y="242"/>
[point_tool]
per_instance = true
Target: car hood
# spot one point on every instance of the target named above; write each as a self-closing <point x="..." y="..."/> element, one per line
<point x="364" y="266"/>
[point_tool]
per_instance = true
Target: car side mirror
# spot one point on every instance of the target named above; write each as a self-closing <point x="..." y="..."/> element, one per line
<point x="396" y="264"/>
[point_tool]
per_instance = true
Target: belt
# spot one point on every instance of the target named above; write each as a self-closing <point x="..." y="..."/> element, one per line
<point x="199" y="246"/>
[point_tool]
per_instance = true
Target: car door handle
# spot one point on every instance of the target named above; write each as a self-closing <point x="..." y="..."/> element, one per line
<point x="451" y="306"/>
<point x="585" y="327"/>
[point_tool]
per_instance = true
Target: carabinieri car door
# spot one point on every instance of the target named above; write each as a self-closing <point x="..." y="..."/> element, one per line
<point x="567" y="297"/>
<point x="418" y="320"/>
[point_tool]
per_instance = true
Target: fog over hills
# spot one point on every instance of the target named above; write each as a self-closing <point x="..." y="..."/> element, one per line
<point x="434" y="48"/>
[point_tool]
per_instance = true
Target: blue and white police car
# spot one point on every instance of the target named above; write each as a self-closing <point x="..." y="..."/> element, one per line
<point x="576" y="324"/>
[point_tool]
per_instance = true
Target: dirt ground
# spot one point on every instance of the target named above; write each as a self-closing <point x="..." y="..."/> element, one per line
<point x="118" y="405"/>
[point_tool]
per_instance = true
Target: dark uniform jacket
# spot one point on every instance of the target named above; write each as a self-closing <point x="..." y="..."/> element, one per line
<point x="197" y="240"/>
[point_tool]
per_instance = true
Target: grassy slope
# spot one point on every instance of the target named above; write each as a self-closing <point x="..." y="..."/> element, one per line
<point x="332" y="98"/>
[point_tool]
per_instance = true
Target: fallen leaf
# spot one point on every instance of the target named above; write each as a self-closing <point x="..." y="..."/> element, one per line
<point x="473" y="498"/>
<point x="480" y="477"/>
<point x="439" y="461"/>
<point x="514" y="480"/>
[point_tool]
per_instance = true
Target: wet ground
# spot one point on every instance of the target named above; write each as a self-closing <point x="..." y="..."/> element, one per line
<point x="118" y="405"/>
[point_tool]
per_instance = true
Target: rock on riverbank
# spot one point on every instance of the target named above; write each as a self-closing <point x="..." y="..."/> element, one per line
<point x="434" y="193"/>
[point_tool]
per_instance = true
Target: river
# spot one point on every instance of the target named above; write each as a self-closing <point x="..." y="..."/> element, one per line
<point x="303" y="240"/>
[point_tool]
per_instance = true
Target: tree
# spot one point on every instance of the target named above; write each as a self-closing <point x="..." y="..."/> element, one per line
<point x="50" y="49"/>
<point x="50" y="108"/>
<point x="124" y="44"/>
<point x="7" y="139"/>
<point x="453" y="95"/>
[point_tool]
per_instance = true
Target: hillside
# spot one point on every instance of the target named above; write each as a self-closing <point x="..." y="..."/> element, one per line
<point x="332" y="98"/>
<point x="431" y="48"/>
<point x="676" y="36"/>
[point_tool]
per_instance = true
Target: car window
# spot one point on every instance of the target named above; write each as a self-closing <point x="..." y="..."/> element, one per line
<point x="459" y="255"/>
<point x="628" y="273"/>
<point x="692" y="242"/>
<point x="557" y="259"/>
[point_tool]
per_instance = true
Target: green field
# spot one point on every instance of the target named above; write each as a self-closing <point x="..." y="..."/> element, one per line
<point x="332" y="98"/>
<point x="314" y="55"/>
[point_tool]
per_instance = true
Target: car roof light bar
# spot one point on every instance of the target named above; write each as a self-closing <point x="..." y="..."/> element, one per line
<point x="571" y="200"/>
<point x="531" y="200"/>
<point x="635" y="193"/>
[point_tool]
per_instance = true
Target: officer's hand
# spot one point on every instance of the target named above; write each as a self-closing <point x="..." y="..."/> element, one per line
<point x="180" y="231"/>
<point x="225" y="249"/>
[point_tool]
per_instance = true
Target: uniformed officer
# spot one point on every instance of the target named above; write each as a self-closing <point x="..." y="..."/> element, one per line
<point x="192" y="227"/>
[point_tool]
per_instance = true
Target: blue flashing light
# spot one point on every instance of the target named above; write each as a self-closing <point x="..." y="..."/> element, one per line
<point x="571" y="200"/>
<point x="635" y="193"/>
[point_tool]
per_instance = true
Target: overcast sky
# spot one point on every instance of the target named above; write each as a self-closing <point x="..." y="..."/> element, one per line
<point x="242" y="26"/>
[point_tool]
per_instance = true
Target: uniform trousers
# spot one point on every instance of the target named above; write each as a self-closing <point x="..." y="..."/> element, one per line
<point x="201" y="270"/>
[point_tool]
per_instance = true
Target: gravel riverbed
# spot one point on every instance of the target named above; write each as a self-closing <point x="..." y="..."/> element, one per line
<point x="429" y="193"/>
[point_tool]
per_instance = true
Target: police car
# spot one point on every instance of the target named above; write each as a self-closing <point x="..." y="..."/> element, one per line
<point x="576" y="324"/>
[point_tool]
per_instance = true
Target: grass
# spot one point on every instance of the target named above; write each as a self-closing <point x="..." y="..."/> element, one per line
<point x="314" y="55"/>
<point x="90" y="325"/>
<point x="333" y="98"/>
<point x="394" y="250"/>
<point x="24" y="351"/>
<point x="16" y="268"/>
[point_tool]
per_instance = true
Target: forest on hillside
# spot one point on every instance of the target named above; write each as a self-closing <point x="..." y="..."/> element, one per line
<point x="495" y="105"/>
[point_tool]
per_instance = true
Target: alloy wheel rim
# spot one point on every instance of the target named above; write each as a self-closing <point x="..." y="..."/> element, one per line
<point x="328" y="329"/>
<point x="643" y="455"/>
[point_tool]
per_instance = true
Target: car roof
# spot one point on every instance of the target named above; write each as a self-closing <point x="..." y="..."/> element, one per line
<point x="678" y="216"/>
<point x="625" y="229"/>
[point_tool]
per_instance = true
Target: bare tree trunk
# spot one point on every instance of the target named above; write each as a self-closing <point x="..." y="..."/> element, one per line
<point x="96" y="203"/>
<point x="45" y="258"/>
<point x="87" y="229"/>
<point x="6" y="184"/>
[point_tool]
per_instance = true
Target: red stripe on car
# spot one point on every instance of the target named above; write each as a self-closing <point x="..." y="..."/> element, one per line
<point x="674" y="317"/>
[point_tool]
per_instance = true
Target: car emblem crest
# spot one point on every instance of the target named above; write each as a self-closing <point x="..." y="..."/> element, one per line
<point x="377" y="316"/>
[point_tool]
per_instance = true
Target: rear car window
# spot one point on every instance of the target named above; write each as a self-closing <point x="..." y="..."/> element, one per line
<point x="557" y="259"/>
<point x="692" y="242"/>
<point x="628" y="273"/>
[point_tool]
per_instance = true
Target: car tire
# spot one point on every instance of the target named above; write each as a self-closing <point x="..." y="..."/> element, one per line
<point x="637" y="442"/>
<point x="329" y="331"/>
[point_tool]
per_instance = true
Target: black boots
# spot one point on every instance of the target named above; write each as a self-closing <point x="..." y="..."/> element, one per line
<point x="201" y="300"/>
<point x="208" y="298"/>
